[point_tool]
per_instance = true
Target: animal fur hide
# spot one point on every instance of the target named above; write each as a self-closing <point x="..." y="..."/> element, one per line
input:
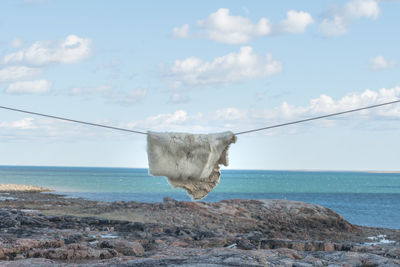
<point x="189" y="161"/>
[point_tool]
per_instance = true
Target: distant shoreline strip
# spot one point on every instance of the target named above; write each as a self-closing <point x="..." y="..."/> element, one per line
<point x="22" y="188"/>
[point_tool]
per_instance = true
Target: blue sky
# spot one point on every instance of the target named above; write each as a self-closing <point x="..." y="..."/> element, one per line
<point x="201" y="67"/>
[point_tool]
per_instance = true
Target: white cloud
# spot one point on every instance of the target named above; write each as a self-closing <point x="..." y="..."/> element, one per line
<point x="225" y="28"/>
<point x="339" y="20"/>
<point x="23" y="124"/>
<point x="326" y="104"/>
<point x="240" y="66"/>
<point x="380" y="63"/>
<point x="161" y="120"/>
<point x="29" y="87"/>
<point x="178" y="121"/>
<point x="178" y="117"/>
<point x="296" y="22"/>
<point x="334" y="26"/>
<point x="69" y="50"/>
<point x="181" y="32"/>
<point x="230" y="114"/>
<point x="230" y="118"/>
<point x="177" y="98"/>
<point x="46" y="130"/>
<point x="322" y="105"/>
<point x="17" y="43"/>
<point x="90" y="90"/>
<point x="235" y="119"/>
<point x="362" y="8"/>
<point x="15" y="73"/>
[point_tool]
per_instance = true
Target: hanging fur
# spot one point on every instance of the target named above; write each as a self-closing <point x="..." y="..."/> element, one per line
<point x="189" y="161"/>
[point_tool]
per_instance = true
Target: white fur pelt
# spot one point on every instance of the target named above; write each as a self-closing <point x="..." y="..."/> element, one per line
<point x="189" y="161"/>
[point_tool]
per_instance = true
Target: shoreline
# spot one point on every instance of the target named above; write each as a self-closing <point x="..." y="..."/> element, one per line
<point x="226" y="169"/>
<point x="46" y="228"/>
<point x="22" y="188"/>
<point x="374" y="218"/>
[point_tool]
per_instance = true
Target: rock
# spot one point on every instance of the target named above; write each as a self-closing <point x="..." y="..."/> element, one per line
<point x="7" y="220"/>
<point x="27" y="244"/>
<point x="203" y="234"/>
<point x="394" y="253"/>
<point x="244" y="244"/>
<point x="169" y="201"/>
<point x="329" y="247"/>
<point x="254" y="236"/>
<point x="159" y="242"/>
<point x="214" y="260"/>
<point x="124" y="247"/>
<point x="106" y="244"/>
<point x="73" y="239"/>
<point x="264" y="233"/>
<point x="179" y="244"/>
<point x="289" y="253"/>
<point x="302" y="264"/>
<point x="131" y="227"/>
<point x="29" y="221"/>
<point x="29" y="263"/>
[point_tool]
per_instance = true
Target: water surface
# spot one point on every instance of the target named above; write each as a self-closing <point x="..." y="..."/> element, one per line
<point x="370" y="199"/>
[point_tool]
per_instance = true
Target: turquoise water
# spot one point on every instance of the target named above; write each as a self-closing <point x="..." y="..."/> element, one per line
<point x="371" y="199"/>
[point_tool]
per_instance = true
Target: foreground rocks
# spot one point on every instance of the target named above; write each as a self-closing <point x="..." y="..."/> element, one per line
<point x="41" y="229"/>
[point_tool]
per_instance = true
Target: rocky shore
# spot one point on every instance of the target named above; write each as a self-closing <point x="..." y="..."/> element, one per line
<point x="44" y="229"/>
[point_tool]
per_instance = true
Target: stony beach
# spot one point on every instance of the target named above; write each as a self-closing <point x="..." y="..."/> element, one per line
<point x="46" y="229"/>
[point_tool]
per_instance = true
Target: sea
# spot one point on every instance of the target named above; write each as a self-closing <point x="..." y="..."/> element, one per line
<point x="362" y="198"/>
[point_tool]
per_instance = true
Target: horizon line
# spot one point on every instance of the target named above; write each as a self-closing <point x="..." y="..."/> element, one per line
<point x="233" y="169"/>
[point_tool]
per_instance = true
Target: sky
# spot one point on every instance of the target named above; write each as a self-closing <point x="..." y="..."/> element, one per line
<point x="201" y="67"/>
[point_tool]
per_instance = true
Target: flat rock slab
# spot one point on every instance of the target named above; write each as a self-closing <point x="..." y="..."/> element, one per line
<point x="43" y="229"/>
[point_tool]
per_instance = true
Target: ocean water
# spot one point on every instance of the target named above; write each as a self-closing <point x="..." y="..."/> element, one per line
<point x="370" y="199"/>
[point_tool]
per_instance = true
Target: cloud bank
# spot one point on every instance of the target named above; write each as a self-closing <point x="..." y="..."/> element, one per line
<point x="29" y="87"/>
<point x="233" y="118"/>
<point x="234" y="67"/>
<point x="69" y="50"/>
<point x="339" y="19"/>
<point x="380" y="63"/>
<point x="14" y="73"/>
<point x="229" y="118"/>
<point x="222" y="27"/>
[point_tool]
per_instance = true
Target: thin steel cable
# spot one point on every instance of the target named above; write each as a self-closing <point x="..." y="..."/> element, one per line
<point x="71" y="120"/>
<point x="316" y="118"/>
<point x="238" y="133"/>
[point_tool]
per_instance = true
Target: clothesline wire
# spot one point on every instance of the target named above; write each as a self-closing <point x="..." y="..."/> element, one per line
<point x="75" y="121"/>
<point x="238" y="133"/>
<point x="317" y="118"/>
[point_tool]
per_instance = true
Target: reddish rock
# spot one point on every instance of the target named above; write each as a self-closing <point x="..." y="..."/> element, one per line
<point x="289" y="253"/>
<point x="329" y="247"/>
<point x="159" y="241"/>
<point x="127" y="248"/>
<point x="298" y="246"/>
<point x="179" y="244"/>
